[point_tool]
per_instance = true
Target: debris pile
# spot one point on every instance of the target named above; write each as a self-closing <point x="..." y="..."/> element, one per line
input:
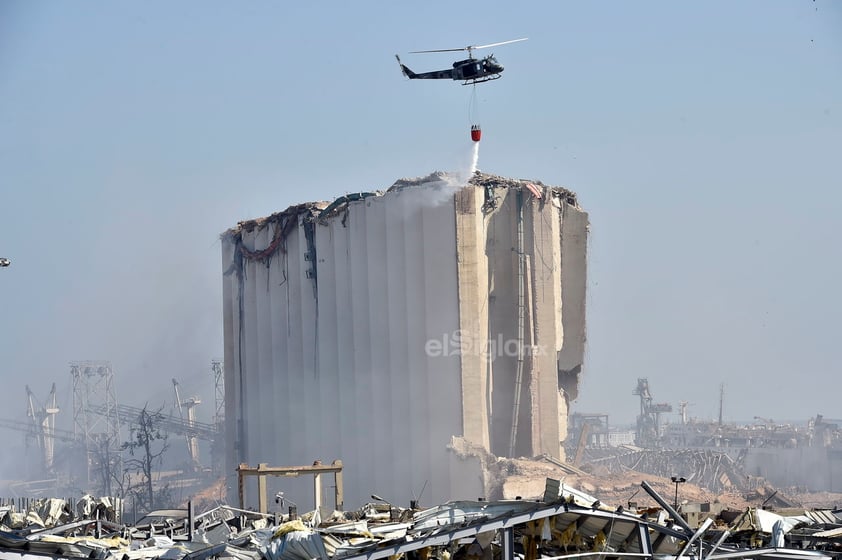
<point x="563" y="522"/>
<point x="615" y="483"/>
<point x="48" y="512"/>
<point x="708" y="468"/>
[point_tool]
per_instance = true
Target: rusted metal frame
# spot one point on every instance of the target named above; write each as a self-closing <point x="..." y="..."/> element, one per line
<point x="263" y="470"/>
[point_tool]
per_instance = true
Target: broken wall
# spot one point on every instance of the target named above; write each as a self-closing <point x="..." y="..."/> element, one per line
<point x="550" y="232"/>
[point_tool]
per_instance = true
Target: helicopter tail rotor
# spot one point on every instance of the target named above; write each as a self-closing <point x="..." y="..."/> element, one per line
<point x="406" y="71"/>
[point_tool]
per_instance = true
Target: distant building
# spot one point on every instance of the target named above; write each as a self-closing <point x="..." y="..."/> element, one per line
<point x="616" y="439"/>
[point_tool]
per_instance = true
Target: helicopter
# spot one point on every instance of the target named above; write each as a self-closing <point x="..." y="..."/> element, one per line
<point x="470" y="71"/>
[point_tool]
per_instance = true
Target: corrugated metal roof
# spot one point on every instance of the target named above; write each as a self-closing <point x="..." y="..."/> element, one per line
<point x="822" y="516"/>
<point x="829" y="534"/>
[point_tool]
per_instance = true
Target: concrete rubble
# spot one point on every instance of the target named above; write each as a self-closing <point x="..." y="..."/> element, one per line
<point x="564" y="522"/>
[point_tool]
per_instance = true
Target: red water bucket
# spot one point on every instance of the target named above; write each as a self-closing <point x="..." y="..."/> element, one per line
<point x="476" y="133"/>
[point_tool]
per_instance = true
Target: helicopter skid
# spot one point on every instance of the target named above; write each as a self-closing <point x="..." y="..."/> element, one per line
<point x="486" y="79"/>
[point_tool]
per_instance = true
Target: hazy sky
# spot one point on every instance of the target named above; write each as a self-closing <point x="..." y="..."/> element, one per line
<point x="705" y="140"/>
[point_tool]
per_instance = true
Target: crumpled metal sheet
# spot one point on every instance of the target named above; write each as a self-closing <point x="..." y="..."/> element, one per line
<point x="765" y="521"/>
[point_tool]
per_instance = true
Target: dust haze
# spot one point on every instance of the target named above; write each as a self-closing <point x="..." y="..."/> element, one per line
<point x="138" y="286"/>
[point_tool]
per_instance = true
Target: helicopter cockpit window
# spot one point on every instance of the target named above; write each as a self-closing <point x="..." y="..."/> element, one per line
<point x="471" y="70"/>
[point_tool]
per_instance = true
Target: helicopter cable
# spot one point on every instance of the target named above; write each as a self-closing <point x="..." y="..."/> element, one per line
<point x="473" y="107"/>
<point x="476" y="130"/>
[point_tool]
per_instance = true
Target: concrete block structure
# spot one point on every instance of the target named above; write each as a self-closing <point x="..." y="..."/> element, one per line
<point x="378" y="327"/>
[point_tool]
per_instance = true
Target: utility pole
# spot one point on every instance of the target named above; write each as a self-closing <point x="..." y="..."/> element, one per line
<point x="677" y="480"/>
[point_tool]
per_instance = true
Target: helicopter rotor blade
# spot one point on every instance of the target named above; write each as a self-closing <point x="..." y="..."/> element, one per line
<point x="496" y="44"/>
<point x="439" y="50"/>
<point x="469" y="48"/>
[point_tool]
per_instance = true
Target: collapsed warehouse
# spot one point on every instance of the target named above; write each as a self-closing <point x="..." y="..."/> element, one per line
<point x="720" y="456"/>
<point x="563" y="522"/>
<point x="381" y="327"/>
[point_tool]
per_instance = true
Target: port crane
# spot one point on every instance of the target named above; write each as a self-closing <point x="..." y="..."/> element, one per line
<point x="41" y="426"/>
<point x="648" y="432"/>
<point x="44" y="423"/>
<point x="187" y="408"/>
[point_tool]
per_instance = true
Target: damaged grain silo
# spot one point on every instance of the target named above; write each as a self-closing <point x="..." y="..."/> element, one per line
<point x="384" y="327"/>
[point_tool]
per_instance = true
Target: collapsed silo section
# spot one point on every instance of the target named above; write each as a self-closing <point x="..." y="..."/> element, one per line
<point x="378" y="327"/>
<point x="535" y="252"/>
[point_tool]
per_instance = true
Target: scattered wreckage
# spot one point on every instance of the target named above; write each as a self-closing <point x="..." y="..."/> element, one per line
<point x="564" y="523"/>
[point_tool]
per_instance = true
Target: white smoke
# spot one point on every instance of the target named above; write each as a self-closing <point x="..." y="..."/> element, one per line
<point x="468" y="167"/>
<point x="443" y="189"/>
<point x="439" y="187"/>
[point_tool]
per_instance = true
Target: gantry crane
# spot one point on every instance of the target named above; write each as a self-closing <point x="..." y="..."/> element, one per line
<point x="185" y="424"/>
